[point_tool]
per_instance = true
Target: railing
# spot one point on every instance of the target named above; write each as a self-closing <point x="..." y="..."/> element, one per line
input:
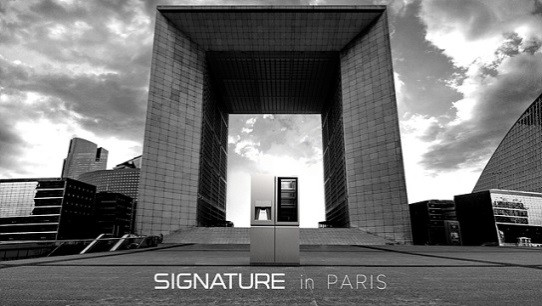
<point x="13" y="250"/>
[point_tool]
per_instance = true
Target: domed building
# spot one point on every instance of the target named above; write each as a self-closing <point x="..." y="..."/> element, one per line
<point x="517" y="162"/>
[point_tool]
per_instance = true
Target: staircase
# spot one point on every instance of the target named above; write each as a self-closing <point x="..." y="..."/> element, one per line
<point x="308" y="236"/>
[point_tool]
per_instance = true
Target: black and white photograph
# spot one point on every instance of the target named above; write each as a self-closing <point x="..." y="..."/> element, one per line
<point x="309" y="152"/>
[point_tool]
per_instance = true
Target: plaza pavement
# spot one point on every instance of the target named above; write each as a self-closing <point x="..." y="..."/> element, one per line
<point x="414" y="275"/>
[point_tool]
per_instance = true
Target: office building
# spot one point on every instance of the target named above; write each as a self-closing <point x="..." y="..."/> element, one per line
<point x="517" y="162"/>
<point x="46" y="209"/>
<point x="500" y="217"/>
<point x="429" y="221"/>
<point x="83" y="156"/>
<point x="122" y="180"/>
<point x="212" y="61"/>
<point x="114" y="213"/>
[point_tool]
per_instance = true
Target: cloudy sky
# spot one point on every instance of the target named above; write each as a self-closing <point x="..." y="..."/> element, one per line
<point x="464" y="72"/>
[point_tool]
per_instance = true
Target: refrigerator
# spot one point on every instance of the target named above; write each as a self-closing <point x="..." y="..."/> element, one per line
<point x="274" y="232"/>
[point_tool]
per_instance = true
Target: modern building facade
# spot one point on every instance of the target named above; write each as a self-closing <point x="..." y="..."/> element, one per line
<point x="83" y="156"/>
<point x="517" y="162"/>
<point x="114" y="213"/>
<point x="429" y="222"/>
<point x="124" y="180"/>
<point x="209" y="62"/>
<point x="46" y="209"/>
<point x="499" y="217"/>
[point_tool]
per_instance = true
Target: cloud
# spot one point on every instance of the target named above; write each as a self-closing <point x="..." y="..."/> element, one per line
<point x="21" y="132"/>
<point x="99" y="34"/>
<point x="495" y="45"/>
<point x="421" y="70"/>
<point x="87" y="61"/>
<point x="419" y="132"/>
<point x="71" y="68"/>
<point x="297" y="136"/>
<point x="498" y="103"/>
<point x="11" y="144"/>
<point x="471" y="30"/>
<point x="277" y="145"/>
<point x="101" y="103"/>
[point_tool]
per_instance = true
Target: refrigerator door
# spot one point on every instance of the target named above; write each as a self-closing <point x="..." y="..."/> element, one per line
<point x="287" y="201"/>
<point x="262" y="245"/>
<point x="262" y="200"/>
<point x="287" y="245"/>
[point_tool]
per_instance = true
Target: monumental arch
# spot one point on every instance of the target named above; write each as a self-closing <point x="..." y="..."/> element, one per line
<point x="212" y="61"/>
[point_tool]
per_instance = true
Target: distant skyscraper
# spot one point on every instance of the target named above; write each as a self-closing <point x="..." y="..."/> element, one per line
<point x="83" y="156"/>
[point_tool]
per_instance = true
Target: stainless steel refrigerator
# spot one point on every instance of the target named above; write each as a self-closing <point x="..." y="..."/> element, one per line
<point x="274" y="233"/>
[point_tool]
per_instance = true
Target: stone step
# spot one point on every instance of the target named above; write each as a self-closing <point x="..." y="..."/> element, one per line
<point x="308" y="236"/>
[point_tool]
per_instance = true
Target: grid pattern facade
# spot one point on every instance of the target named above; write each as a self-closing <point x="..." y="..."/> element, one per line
<point x="213" y="161"/>
<point x="17" y="198"/>
<point x="30" y="209"/>
<point x="499" y="217"/>
<point x="517" y="162"/>
<point x="314" y="28"/>
<point x="517" y="207"/>
<point x="113" y="213"/>
<point x="377" y="199"/>
<point x="51" y="209"/>
<point x="336" y="193"/>
<point x="273" y="82"/>
<point x="171" y="153"/>
<point x="123" y="181"/>
<point x="83" y="156"/>
<point x="212" y="61"/>
<point x="77" y="216"/>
